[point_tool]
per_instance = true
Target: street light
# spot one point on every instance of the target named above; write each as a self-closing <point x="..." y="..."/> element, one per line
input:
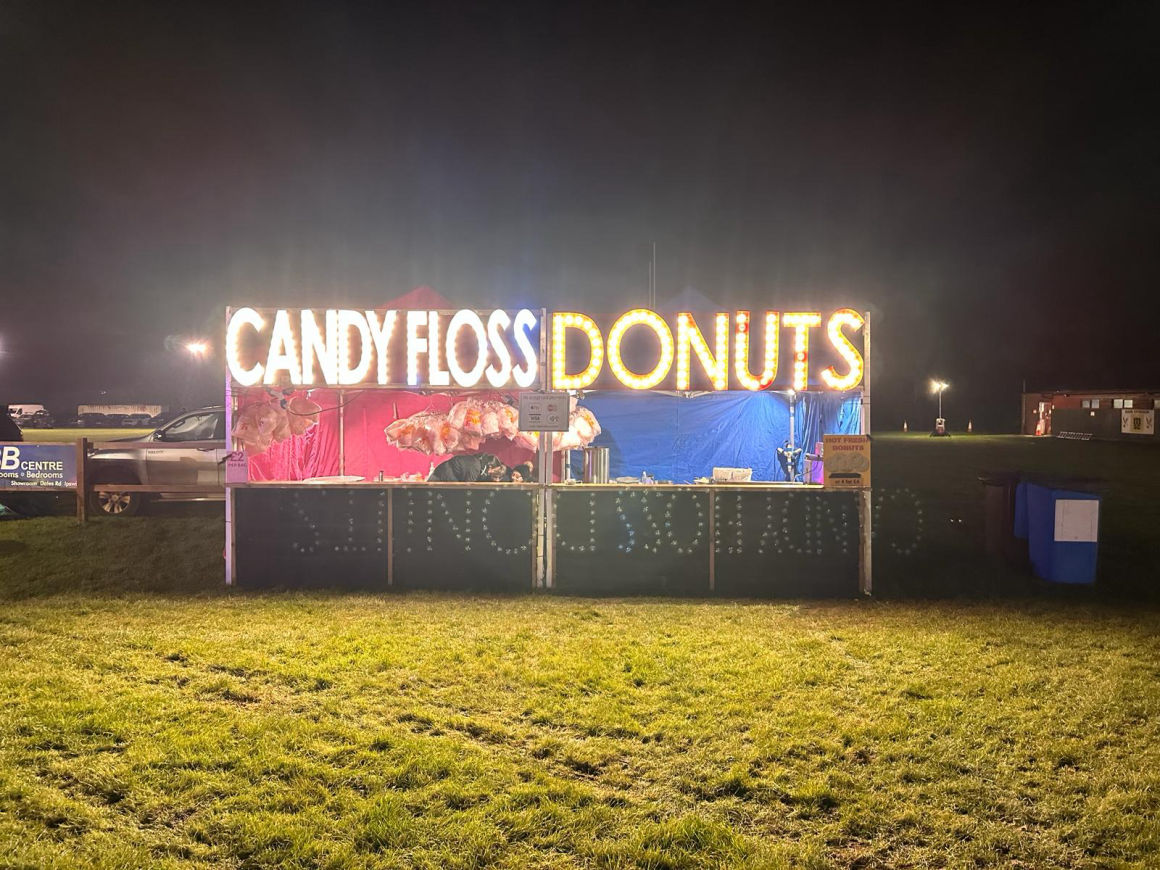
<point x="197" y="349"/>
<point x="937" y="386"/>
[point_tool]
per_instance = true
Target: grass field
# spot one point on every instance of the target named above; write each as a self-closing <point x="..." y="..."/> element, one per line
<point x="943" y="473"/>
<point x="445" y="732"/>
<point x="151" y="718"/>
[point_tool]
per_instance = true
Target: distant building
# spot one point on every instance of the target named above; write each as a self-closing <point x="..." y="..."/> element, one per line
<point x="150" y="410"/>
<point x="1117" y="414"/>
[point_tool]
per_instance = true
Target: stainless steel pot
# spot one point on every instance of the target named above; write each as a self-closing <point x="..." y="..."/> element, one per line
<point x="595" y="465"/>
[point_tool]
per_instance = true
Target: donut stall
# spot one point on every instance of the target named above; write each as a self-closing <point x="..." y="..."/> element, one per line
<point x="420" y="445"/>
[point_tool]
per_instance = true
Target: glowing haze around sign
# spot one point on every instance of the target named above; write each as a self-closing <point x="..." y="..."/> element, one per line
<point x="344" y="347"/>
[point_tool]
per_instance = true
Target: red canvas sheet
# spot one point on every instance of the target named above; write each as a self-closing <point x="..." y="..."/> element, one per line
<point x="367" y="453"/>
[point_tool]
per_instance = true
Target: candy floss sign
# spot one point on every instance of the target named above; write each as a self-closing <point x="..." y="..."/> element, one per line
<point x="25" y="466"/>
<point x="504" y="350"/>
<point x="415" y="349"/>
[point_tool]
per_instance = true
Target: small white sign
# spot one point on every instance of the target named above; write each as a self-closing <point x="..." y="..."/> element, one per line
<point x="1077" y="519"/>
<point x="237" y="467"/>
<point x="544" y="412"/>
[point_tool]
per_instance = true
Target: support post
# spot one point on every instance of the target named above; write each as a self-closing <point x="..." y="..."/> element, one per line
<point x="231" y="535"/>
<point x="865" y="543"/>
<point x="231" y="446"/>
<point x="537" y="538"/>
<point x="391" y="536"/>
<point x="543" y="502"/>
<point x="341" y="435"/>
<point x="549" y="538"/>
<point x="866" y="496"/>
<point x="866" y="374"/>
<point x="82" y="480"/>
<point x="543" y="478"/>
<point x="712" y="541"/>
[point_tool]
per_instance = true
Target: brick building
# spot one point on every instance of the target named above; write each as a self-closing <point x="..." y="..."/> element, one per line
<point x="1115" y="414"/>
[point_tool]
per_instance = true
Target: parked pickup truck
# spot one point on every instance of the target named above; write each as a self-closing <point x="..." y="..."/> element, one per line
<point x="199" y="460"/>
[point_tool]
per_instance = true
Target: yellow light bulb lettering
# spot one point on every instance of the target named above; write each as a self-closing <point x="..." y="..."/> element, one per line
<point x="772" y="345"/>
<point x="801" y="322"/>
<point x="650" y="319"/>
<point x="844" y="317"/>
<point x="561" y="323"/>
<point x="715" y="362"/>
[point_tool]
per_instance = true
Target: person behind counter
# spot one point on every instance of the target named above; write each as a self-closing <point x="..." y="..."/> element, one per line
<point x="469" y="468"/>
<point x="521" y="473"/>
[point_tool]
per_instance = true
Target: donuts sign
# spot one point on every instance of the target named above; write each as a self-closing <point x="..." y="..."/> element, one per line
<point x="498" y="349"/>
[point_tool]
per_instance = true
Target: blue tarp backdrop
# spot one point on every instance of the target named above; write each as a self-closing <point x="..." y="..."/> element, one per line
<point x="679" y="438"/>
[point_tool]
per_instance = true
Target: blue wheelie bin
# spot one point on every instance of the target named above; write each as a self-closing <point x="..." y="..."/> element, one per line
<point x="1061" y="525"/>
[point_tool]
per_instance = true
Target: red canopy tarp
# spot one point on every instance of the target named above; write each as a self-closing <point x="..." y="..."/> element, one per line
<point x="366" y="452"/>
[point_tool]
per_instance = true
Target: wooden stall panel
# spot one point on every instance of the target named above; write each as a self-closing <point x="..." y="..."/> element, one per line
<point x="311" y="537"/>
<point x="464" y="538"/>
<point x="765" y="543"/>
<point x="786" y="543"/>
<point x="632" y="541"/>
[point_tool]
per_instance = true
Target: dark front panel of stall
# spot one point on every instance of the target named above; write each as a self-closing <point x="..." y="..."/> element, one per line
<point x="458" y="538"/>
<point x="630" y="541"/>
<point x="311" y="537"/>
<point x="787" y="543"/>
<point x="765" y="542"/>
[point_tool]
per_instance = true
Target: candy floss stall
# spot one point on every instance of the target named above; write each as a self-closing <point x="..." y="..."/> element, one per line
<point x="709" y="426"/>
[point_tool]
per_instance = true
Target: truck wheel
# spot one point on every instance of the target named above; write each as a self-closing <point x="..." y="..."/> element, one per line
<point x="116" y="504"/>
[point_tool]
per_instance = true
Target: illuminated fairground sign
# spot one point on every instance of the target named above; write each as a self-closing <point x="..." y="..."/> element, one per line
<point x="468" y="349"/>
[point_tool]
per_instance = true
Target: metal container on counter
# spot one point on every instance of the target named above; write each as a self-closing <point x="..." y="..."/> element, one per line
<point x="595" y="465"/>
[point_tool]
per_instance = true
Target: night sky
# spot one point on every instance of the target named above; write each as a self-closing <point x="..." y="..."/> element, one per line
<point x="985" y="180"/>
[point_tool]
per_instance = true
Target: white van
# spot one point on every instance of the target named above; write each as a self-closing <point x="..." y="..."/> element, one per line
<point x="23" y="409"/>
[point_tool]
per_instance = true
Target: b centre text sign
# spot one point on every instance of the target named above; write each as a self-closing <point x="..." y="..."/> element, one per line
<point x="25" y="466"/>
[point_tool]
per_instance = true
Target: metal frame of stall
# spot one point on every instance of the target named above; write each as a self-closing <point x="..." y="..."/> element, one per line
<point x="545" y="491"/>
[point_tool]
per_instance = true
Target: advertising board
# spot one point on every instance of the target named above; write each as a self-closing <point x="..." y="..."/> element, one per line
<point x="37" y="465"/>
<point x="1137" y="422"/>
<point x="847" y="461"/>
<point x="544" y="412"/>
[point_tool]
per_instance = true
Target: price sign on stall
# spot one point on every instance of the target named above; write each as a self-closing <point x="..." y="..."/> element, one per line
<point x="544" y="412"/>
<point x="847" y="461"/>
<point x="237" y="467"/>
